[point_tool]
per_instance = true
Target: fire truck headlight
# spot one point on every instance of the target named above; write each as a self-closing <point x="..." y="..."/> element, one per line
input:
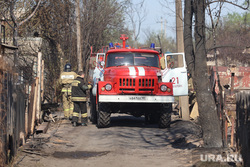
<point x="164" y="88"/>
<point x="108" y="87"/>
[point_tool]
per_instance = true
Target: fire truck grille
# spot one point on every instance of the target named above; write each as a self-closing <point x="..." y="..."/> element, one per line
<point x="127" y="82"/>
<point x="130" y="84"/>
<point x="146" y="83"/>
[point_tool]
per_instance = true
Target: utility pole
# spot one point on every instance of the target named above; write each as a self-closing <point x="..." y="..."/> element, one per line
<point x="78" y="34"/>
<point x="183" y="100"/>
<point x="163" y="26"/>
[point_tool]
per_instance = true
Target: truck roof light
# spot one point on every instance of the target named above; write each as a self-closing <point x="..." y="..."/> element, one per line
<point x="111" y="45"/>
<point x="152" y="46"/>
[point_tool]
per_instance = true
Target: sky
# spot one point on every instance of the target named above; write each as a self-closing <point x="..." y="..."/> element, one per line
<point x="160" y="11"/>
<point x="160" y="16"/>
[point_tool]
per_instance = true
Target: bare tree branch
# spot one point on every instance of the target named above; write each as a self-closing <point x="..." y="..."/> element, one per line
<point x="216" y="1"/>
<point x="31" y="15"/>
<point x="140" y="17"/>
<point x="6" y="20"/>
<point x="226" y="46"/>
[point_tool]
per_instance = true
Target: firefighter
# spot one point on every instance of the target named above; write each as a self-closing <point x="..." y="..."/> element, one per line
<point x="67" y="77"/>
<point x="162" y="62"/>
<point x="170" y="62"/>
<point x="79" y="98"/>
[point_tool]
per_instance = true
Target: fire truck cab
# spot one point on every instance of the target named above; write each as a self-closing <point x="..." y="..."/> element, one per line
<point x="131" y="81"/>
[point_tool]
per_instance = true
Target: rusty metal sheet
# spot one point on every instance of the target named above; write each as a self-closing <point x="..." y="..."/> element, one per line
<point x="241" y="77"/>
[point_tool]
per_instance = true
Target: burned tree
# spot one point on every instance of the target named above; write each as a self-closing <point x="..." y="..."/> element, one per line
<point x="196" y="61"/>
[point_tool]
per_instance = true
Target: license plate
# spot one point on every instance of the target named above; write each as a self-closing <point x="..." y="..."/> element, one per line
<point x="137" y="98"/>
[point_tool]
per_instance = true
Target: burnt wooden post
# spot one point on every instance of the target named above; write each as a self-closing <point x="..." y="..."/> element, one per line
<point x="38" y="85"/>
<point x="232" y="83"/>
<point x="232" y="132"/>
<point x="33" y="118"/>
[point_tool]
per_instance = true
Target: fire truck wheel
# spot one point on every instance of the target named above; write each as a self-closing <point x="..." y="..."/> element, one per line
<point x="103" y="117"/>
<point x="165" y="116"/>
<point x="93" y="113"/>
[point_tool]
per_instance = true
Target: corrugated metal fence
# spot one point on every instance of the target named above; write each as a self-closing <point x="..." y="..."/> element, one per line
<point x="12" y="115"/>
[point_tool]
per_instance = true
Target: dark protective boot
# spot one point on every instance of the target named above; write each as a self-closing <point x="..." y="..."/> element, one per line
<point x="84" y="124"/>
<point x="84" y="121"/>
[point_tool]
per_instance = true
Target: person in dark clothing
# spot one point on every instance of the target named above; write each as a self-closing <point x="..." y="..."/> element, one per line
<point x="79" y="99"/>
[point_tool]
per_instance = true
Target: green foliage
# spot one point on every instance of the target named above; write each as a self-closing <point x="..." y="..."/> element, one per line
<point x="237" y="20"/>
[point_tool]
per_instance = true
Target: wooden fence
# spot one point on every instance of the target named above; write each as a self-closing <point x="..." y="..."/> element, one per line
<point x="243" y="125"/>
<point x="12" y="115"/>
<point x="20" y="111"/>
<point x="18" y="114"/>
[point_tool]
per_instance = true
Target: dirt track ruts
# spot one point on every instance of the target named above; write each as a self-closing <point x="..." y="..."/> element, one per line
<point x="127" y="143"/>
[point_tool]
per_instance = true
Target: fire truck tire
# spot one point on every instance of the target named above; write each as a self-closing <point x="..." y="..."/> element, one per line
<point x="93" y="113"/>
<point x="165" y="116"/>
<point x="103" y="118"/>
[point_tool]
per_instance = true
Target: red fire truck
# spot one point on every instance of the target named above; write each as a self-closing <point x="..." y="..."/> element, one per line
<point x="131" y="81"/>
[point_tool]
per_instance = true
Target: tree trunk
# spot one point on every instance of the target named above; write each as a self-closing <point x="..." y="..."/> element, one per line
<point x="188" y="39"/>
<point x="209" y="119"/>
<point x="15" y="35"/>
<point x="207" y="108"/>
<point x="15" y="32"/>
<point x="78" y="32"/>
<point x="61" y="55"/>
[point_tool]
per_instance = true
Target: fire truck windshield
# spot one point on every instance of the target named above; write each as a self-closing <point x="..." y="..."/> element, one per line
<point x="132" y="59"/>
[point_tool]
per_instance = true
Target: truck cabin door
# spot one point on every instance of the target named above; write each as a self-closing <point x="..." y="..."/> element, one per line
<point x="176" y="72"/>
<point x="100" y="59"/>
<point x="98" y="71"/>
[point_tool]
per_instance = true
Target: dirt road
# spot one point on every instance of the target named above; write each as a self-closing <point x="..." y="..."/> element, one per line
<point x="127" y="143"/>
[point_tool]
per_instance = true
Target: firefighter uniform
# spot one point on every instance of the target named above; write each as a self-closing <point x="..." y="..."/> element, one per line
<point x="170" y="62"/>
<point x="162" y="62"/>
<point x="79" y="99"/>
<point x="67" y="78"/>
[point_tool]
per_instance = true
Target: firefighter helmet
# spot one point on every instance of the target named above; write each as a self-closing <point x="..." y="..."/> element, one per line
<point x="67" y="67"/>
